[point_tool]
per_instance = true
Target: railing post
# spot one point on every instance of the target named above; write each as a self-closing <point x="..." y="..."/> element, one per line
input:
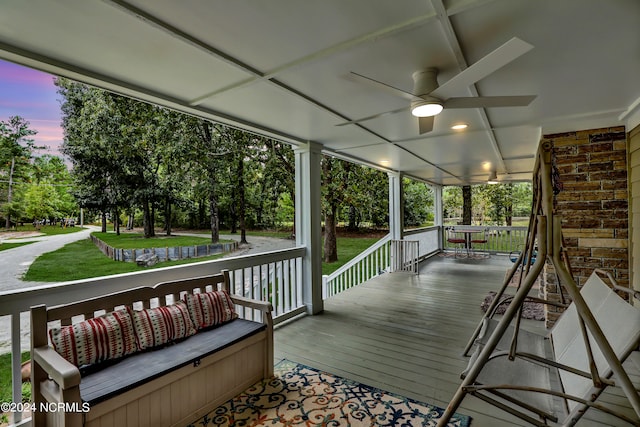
<point x="16" y="362"/>
<point x="325" y="290"/>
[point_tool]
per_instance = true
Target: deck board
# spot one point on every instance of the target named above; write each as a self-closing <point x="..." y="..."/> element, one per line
<point x="405" y="333"/>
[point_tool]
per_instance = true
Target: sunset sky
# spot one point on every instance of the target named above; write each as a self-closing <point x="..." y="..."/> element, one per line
<point x="32" y="95"/>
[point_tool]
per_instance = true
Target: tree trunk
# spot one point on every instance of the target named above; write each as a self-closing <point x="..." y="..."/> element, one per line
<point x="213" y="211"/>
<point x="148" y="220"/>
<point x="242" y="202"/>
<point x="466" y="205"/>
<point x="167" y="215"/>
<point x="116" y="221"/>
<point x="233" y="215"/>
<point x="353" y="219"/>
<point x="130" y="221"/>
<point x="104" y="220"/>
<point x="293" y="229"/>
<point x="330" y="237"/>
<point x="10" y="192"/>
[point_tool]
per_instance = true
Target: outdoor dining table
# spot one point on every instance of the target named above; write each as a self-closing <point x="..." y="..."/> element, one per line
<point x="467" y="236"/>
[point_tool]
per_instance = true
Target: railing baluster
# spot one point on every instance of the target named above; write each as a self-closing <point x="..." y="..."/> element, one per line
<point x="16" y="361"/>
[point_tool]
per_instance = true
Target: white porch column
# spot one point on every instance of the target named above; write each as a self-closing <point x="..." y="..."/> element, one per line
<point x="396" y="203"/>
<point x="438" y="212"/>
<point x="308" y="223"/>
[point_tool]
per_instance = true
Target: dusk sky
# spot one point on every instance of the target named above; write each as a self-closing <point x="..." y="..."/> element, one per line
<point x="31" y="95"/>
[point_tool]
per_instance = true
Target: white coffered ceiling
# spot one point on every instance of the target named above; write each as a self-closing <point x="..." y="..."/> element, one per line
<point x="281" y="68"/>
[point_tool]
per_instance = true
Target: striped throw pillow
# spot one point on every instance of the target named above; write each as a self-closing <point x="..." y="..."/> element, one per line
<point x="95" y="340"/>
<point x="210" y="308"/>
<point x="161" y="325"/>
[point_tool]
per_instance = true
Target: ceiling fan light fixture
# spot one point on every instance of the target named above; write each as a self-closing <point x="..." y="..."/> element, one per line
<point x="426" y="108"/>
<point x="493" y="178"/>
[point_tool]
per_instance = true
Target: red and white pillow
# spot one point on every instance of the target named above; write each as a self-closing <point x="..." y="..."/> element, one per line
<point x="94" y="340"/>
<point x="161" y="325"/>
<point x="210" y="308"/>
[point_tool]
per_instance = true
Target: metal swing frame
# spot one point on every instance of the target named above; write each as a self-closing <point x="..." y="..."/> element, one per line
<point x="546" y="226"/>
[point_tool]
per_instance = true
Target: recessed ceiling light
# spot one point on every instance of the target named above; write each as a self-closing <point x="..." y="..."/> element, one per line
<point x="459" y="126"/>
<point x="384" y="162"/>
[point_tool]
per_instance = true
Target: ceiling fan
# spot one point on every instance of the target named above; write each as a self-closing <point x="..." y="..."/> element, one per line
<point x="428" y="99"/>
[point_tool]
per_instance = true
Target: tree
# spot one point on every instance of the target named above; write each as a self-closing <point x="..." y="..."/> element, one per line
<point x="335" y="179"/>
<point x="16" y="149"/>
<point x="91" y="144"/>
<point x="418" y="203"/>
<point x="48" y="195"/>
<point x="496" y="204"/>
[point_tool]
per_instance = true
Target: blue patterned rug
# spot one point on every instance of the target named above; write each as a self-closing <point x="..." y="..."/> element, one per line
<point x="302" y="396"/>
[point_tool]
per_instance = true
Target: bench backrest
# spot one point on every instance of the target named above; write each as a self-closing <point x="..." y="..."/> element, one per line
<point x="164" y="293"/>
<point x="620" y="324"/>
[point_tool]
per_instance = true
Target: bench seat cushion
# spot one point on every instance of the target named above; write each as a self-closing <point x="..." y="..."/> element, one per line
<point x="143" y="367"/>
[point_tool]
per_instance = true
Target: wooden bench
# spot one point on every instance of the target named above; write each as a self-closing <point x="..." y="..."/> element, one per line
<point x="171" y="385"/>
<point x="550" y="377"/>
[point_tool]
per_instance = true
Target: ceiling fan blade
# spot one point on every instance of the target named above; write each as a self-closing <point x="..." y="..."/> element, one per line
<point x="489" y="101"/>
<point x="375" y="116"/>
<point x="383" y="86"/>
<point x="425" y="124"/>
<point x="493" y="61"/>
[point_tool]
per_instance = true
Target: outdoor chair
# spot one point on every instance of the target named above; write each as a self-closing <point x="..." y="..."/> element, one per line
<point x="480" y="240"/>
<point x="459" y="243"/>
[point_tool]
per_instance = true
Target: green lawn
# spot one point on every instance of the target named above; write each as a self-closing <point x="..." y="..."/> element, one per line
<point x="138" y="241"/>
<point x="82" y="260"/>
<point x="49" y="230"/>
<point x="348" y="248"/>
<point x="5" y="378"/>
<point x="4" y="246"/>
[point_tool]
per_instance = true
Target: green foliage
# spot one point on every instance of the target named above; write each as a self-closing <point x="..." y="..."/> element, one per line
<point x="418" y="203"/>
<point x="16" y="150"/>
<point x="491" y="204"/>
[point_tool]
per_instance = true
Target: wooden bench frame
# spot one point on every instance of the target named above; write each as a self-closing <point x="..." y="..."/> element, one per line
<point x="175" y="398"/>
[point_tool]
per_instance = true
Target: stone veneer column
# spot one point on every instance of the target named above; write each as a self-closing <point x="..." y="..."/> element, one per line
<point x="593" y="204"/>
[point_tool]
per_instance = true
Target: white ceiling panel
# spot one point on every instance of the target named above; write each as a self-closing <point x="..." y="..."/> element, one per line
<point x="280" y="68"/>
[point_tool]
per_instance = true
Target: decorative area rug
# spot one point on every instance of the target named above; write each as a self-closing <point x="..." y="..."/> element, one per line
<point x="530" y="310"/>
<point x="515" y="280"/>
<point x="302" y="396"/>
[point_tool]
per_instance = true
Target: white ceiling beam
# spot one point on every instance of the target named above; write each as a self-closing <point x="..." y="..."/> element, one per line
<point x="456" y="49"/>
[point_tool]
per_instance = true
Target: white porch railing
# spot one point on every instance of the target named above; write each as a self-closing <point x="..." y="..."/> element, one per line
<point x="363" y="267"/>
<point x="404" y="256"/>
<point x="378" y="258"/>
<point x="499" y="239"/>
<point x="428" y="238"/>
<point x="271" y="276"/>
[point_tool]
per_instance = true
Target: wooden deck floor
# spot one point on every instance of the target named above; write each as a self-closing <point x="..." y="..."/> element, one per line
<point x="405" y="333"/>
